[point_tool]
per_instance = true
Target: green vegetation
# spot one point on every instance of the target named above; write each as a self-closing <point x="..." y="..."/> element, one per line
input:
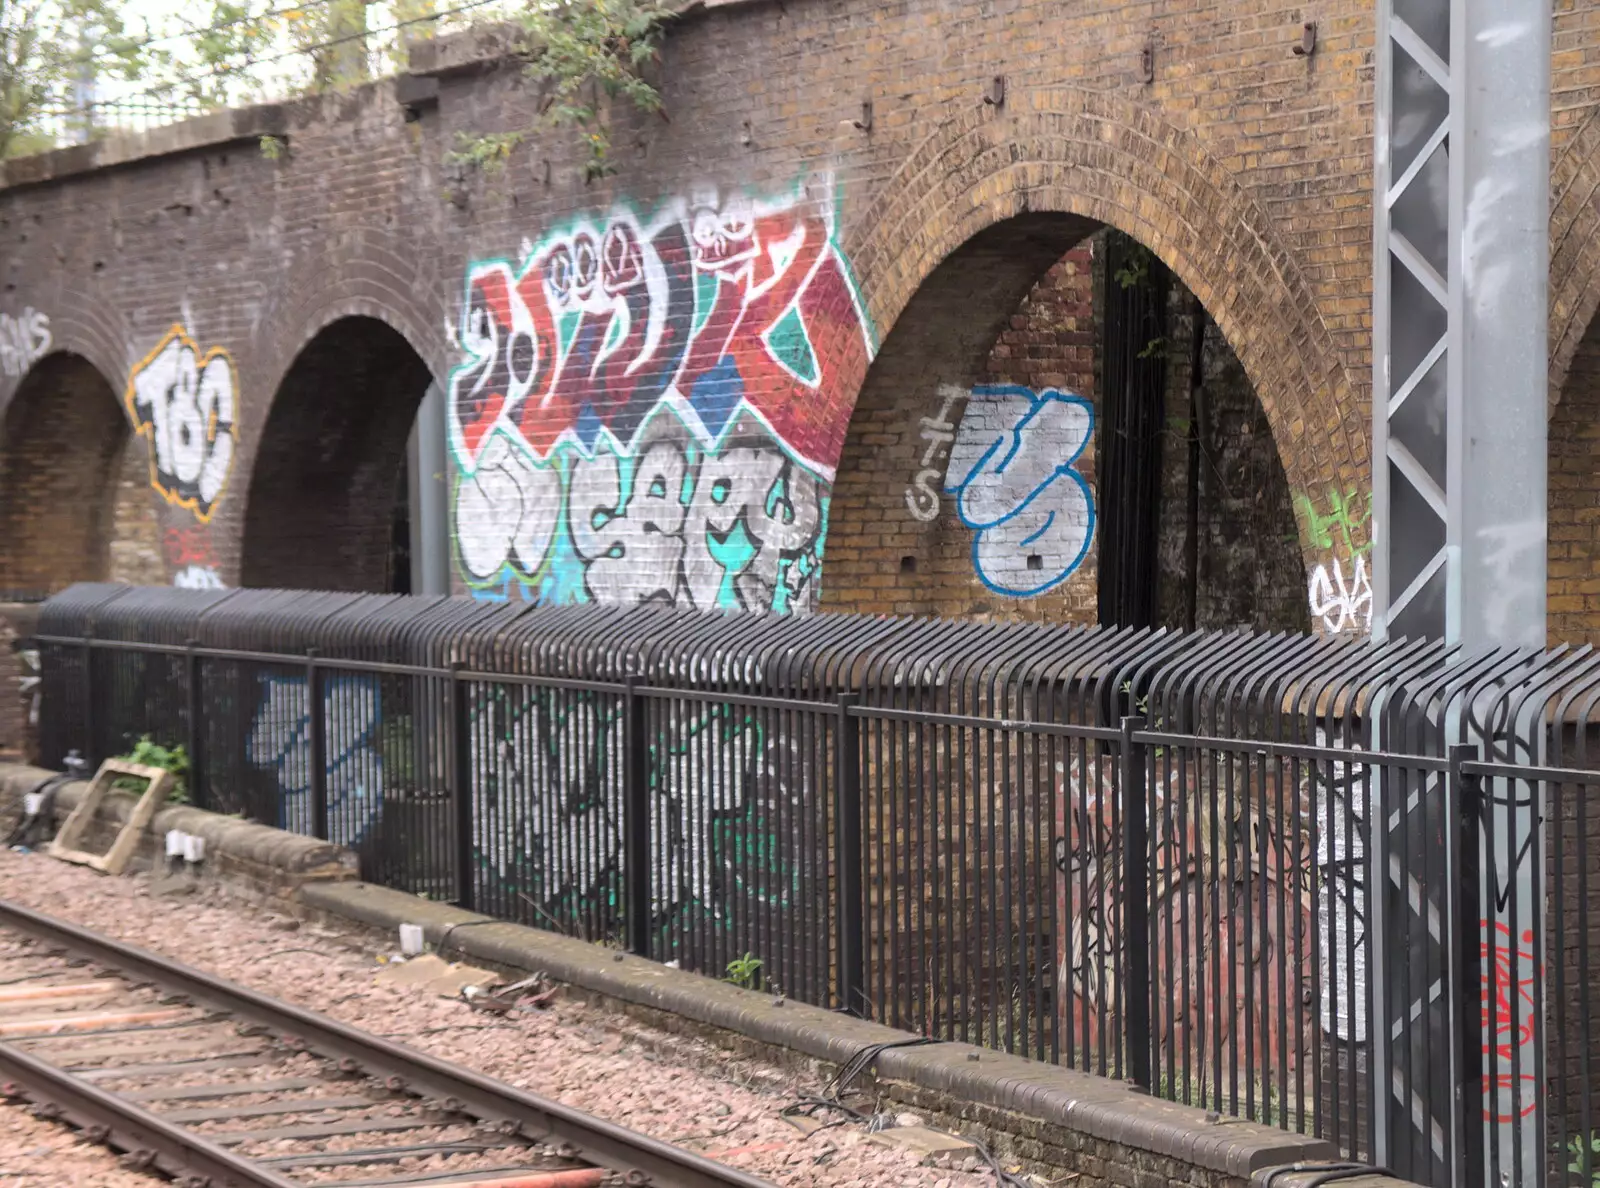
<point x="587" y="56"/>
<point x="745" y="971"/>
<point x="1585" y="1162"/>
<point x="150" y="753"/>
<point x="44" y="55"/>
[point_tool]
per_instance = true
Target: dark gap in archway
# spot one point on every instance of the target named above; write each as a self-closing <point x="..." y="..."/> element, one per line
<point x="322" y="507"/>
<point x="400" y="534"/>
<point x="1003" y="339"/>
<point x="1131" y="334"/>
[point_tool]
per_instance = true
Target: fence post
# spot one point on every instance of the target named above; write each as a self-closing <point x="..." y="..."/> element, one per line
<point x="1136" y="938"/>
<point x="89" y="751"/>
<point x="459" y="757"/>
<point x="317" y="726"/>
<point x="847" y="852"/>
<point x="636" y="820"/>
<point x="1463" y="861"/>
<point x="191" y="678"/>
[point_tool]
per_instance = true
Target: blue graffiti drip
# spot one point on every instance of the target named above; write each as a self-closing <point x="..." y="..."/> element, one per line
<point x="586" y="426"/>
<point x="717" y="394"/>
<point x="280" y="742"/>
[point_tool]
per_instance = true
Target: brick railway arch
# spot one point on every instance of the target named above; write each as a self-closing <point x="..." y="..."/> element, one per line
<point x="74" y="498"/>
<point x="980" y="211"/>
<point x="1573" y="608"/>
<point x="1574" y="250"/>
<point x="330" y="467"/>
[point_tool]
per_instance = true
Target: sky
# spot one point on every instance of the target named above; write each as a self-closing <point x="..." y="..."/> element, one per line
<point x="263" y="81"/>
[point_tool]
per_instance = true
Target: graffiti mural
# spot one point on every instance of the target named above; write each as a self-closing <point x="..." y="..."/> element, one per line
<point x="1340" y="601"/>
<point x="938" y="433"/>
<point x="24" y="340"/>
<point x="1510" y="1006"/>
<point x="652" y="408"/>
<point x="280" y="743"/>
<point x="189" y="557"/>
<point x="1340" y="589"/>
<point x="548" y="783"/>
<point x="182" y="401"/>
<point x="1012" y="474"/>
<point x="1237" y="886"/>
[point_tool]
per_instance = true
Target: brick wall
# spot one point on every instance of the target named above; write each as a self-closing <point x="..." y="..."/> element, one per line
<point x="804" y="324"/>
<point x="1574" y="557"/>
<point x="60" y="493"/>
<point x="18" y="737"/>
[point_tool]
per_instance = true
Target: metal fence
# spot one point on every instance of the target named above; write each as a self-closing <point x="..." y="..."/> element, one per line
<point x="1334" y="886"/>
<point x="105" y="117"/>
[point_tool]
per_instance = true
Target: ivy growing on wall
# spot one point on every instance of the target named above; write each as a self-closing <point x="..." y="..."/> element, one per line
<point x="588" y="56"/>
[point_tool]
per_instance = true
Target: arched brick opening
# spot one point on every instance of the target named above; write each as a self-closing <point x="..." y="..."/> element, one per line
<point x="1573" y="585"/>
<point x="75" y="500"/>
<point x="1114" y="162"/>
<point x="1573" y="607"/>
<point x="1103" y="160"/>
<point x="329" y="472"/>
<point x="1003" y="352"/>
<point x="1574" y="250"/>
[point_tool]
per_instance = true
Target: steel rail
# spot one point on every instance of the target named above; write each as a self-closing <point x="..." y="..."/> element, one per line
<point x="182" y="1154"/>
<point x="582" y="1136"/>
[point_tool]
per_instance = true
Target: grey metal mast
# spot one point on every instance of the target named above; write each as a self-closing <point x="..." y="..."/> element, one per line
<point x="1459" y="459"/>
<point x="1460" y="308"/>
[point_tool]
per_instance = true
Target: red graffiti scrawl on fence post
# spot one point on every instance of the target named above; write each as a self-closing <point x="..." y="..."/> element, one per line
<point x="1510" y="1022"/>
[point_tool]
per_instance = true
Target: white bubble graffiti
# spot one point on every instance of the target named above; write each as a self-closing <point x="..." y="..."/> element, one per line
<point x="1012" y="473"/>
<point x="24" y="339"/>
<point x="1340" y="603"/>
<point x="183" y="403"/>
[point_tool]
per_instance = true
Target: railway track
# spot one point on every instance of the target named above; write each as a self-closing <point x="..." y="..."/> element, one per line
<point x="217" y="1086"/>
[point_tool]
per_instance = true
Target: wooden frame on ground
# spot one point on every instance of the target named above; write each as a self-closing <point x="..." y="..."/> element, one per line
<point x="115" y="860"/>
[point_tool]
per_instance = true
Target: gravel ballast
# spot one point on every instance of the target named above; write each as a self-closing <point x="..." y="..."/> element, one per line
<point x="683" y="1091"/>
<point x="37" y="1154"/>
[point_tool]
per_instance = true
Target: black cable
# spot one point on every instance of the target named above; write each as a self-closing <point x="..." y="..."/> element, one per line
<point x="809" y="1104"/>
<point x="1329" y="1172"/>
<point x="31" y="825"/>
<point x="1348" y="1173"/>
<point x="449" y="932"/>
<point x="862" y="1060"/>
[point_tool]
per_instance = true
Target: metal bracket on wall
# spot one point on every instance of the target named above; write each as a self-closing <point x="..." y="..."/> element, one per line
<point x="1147" y="61"/>
<point x="1308" y="40"/>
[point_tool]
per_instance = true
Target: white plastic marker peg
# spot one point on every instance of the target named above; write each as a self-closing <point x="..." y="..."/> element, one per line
<point x="32" y="802"/>
<point x="411" y="939"/>
<point x="175" y="843"/>
<point x="194" y="848"/>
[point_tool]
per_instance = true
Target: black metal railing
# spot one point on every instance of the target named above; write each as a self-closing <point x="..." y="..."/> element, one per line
<point x="1337" y="887"/>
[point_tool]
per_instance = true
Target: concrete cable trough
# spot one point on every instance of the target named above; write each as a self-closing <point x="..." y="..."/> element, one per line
<point x="216" y="1085"/>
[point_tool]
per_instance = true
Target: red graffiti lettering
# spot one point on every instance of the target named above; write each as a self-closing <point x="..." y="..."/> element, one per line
<point x="1510" y="1022"/>
<point x="188" y="546"/>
